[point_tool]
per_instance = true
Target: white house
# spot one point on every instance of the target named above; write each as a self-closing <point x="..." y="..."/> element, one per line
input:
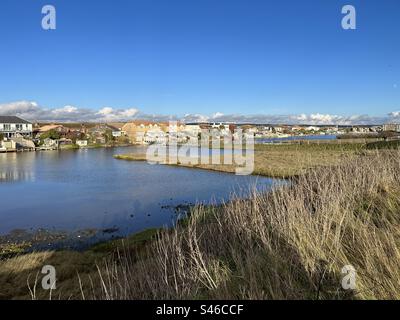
<point x="391" y="127"/>
<point x="82" y="143"/>
<point x="117" y="133"/>
<point x="11" y="126"/>
<point x="50" y="144"/>
<point x="8" y="145"/>
<point x="312" y="128"/>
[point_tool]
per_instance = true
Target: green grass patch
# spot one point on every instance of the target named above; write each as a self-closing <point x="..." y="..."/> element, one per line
<point x="136" y="240"/>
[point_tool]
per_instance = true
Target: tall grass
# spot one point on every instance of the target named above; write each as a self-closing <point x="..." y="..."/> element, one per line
<point x="291" y="243"/>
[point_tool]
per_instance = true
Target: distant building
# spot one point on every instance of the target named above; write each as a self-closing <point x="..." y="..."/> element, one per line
<point x="391" y="127"/>
<point x="312" y="128"/>
<point x="64" y="142"/>
<point x="8" y="145"/>
<point x="137" y="130"/>
<point x="49" y="144"/>
<point x="192" y="129"/>
<point x="98" y="133"/>
<point x="116" y="133"/>
<point x="11" y="126"/>
<point x="82" y="143"/>
<point x="50" y="127"/>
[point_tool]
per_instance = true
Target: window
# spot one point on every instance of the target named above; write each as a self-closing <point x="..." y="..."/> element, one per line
<point x="7" y="127"/>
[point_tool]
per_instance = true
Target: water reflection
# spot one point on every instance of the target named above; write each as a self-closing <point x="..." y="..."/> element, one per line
<point x="15" y="167"/>
<point x="12" y="176"/>
<point x="89" y="189"/>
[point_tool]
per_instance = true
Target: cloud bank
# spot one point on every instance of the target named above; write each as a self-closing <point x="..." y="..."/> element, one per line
<point x="312" y="119"/>
<point x="34" y="112"/>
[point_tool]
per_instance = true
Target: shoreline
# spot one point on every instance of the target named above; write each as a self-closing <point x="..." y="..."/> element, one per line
<point x="221" y="224"/>
<point x="259" y="152"/>
<point x="69" y="147"/>
<point x="280" y="161"/>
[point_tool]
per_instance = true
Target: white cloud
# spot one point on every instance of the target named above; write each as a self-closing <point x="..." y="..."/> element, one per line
<point x="66" y="109"/>
<point x="110" y="114"/>
<point x="32" y="111"/>
<point x="312" y="119"/>
<point x="394" y="114"/>
<point x="18" y="107"/>
<point x="217" y="115"/>
<point x="196" y="118"/>
<point x="105" y="111"/>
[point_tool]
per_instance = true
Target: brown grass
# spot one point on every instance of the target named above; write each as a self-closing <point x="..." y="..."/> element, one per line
<point x="291" y="243"/>
<point x="279" y="161"/>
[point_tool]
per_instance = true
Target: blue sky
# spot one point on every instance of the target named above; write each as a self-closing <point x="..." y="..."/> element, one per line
<point x="201" y="57"/>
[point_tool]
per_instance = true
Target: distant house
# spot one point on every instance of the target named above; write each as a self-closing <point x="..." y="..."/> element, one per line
<point x="249" y="129"/>
<point x="50" y="127"/>
<point x="278" y="129"/>
<point x="391" y="127"/>
<point x="11" y="126"/>
<point x="99" y="132"/>
<point x="297" y="128"/>
<point x="116" y="133"/>
<point x="50" y="143"/>
<point x="137" y="130"/>
<point x="64" y="142"/>
<point x="82" y="143"/>
<point x="312" y="128"/>
<point x="8" y="145"/>
<point x="192" y="129"/>
<point x="116" y="128"/>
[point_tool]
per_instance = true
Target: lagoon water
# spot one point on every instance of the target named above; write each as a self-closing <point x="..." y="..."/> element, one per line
<point x="89" y="189"/>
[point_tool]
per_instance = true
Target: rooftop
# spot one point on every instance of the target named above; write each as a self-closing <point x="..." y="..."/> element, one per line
<point x="12" y="119"/>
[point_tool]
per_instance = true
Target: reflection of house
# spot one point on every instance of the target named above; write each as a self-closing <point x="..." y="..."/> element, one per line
<point x="10" y="126"/>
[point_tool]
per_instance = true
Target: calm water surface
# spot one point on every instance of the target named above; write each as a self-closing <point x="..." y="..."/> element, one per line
<point x="89" y="189"/>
